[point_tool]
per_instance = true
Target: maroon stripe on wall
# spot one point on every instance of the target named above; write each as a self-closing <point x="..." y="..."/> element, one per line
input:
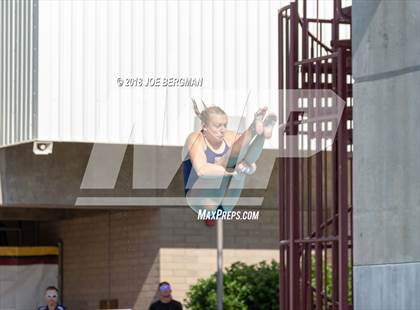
<point x="28" y="261"/>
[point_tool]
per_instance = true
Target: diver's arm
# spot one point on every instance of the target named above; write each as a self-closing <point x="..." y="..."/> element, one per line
<point x="196" y="147"/>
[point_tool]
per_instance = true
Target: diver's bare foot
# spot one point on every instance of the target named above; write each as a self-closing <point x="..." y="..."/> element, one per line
<point x="269" y="122"/>
<point x="258" y="120"/>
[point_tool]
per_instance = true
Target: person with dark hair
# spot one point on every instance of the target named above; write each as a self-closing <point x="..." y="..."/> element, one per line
<point x="51" y="297"/>
<point x="216" y="160"/>
<point x="165" y="301"/>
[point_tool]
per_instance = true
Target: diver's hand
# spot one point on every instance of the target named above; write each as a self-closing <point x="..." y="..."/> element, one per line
<point x="244" y="168"/>
<point x="231" y="173"/>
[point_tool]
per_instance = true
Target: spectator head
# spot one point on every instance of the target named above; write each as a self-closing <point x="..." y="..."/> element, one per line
<point x="51" y="296"/>
<point x="165" y="291"/>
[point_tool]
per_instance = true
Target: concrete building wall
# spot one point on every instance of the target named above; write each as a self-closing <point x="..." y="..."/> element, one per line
<point x="188" y="248"/>
<point x="108" y="256"/>
<point x="386" y="116"/>
<point x="124" y="255"/>
<point x="78" y="173"/>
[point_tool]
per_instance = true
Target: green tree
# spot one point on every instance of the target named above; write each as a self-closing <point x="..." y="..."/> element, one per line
<point x="250" y="287"/>
<point x="245" y="287"/>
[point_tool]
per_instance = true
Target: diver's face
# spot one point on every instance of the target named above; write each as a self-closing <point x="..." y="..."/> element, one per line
<point x="216" y="126"/>
<point x="51" y="296"/>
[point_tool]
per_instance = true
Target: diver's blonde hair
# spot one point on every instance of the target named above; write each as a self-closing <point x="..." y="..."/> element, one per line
<point x="204" y="115"/>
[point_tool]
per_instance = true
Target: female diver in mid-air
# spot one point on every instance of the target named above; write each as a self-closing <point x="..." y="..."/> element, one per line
<point x="216" y="160"/>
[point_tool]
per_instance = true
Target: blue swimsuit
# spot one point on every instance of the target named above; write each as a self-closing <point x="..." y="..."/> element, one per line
<point x="190" y="175"/>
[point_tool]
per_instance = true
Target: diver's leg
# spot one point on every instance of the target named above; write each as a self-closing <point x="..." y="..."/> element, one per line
<point x="207" y="194"/>
<point x="256" y="128"/>
<point x="251" y="147"/>
<point x="198" y="201"/>
<point x="250" y="155"/>
<point x="233" y="192"/>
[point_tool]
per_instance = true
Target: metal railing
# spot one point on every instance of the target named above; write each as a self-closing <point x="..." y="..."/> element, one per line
<point x="315" y="193"/>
